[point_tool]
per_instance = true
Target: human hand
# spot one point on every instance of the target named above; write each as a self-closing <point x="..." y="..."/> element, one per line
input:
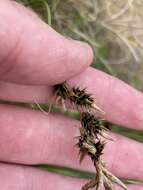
<point x="33" y="57"/>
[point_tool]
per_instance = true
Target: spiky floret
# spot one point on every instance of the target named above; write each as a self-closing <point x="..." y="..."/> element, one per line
<point x="79" y="97"/>
<point x="62" y="90"/>
<point x="99" y="145"/>
<point x="75" y="95"/>
<point x="88" y="145"/>
<point x="93" y="124"/>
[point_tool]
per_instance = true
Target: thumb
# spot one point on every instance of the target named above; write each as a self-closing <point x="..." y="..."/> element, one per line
<point x="31" y="52"/>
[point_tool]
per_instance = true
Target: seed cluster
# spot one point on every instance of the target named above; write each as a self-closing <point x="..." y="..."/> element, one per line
<point x="89" y="141"/>
<point x="91" y="130"/>
<point x="76" y="96"/>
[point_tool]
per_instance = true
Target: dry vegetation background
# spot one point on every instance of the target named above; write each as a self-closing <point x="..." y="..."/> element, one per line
<point x="114" y="28"/>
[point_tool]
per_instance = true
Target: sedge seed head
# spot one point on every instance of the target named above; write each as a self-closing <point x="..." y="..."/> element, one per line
<point x="62" y="90"/>
<point x="91" y="123"/>
<point x="81" y="98"/>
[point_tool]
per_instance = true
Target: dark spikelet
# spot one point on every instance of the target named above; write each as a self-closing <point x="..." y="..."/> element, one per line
<point x="88" y="145"/>
<point x="81" y="98"/>
<point x="76" y="96"/>
<point x="62" y="90"/>
<point x="99" y="151"/>
<point x="92" y="124"/>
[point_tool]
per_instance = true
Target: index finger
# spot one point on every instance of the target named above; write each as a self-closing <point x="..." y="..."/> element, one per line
<point x="122" y="103"/>
<point x="31" y="52"/>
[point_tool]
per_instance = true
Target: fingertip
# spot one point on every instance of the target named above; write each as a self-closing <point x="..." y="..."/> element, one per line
<point x="85" y="52"/>
<point x="79" y="56"/>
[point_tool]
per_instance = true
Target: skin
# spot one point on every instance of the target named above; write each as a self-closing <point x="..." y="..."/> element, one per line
<point x="33" y="57"/>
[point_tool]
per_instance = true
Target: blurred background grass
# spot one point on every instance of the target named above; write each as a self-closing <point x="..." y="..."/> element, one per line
<point x="113" y="28"/>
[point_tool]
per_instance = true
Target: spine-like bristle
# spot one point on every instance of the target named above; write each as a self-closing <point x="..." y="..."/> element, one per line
<point x="94" y="106"/>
